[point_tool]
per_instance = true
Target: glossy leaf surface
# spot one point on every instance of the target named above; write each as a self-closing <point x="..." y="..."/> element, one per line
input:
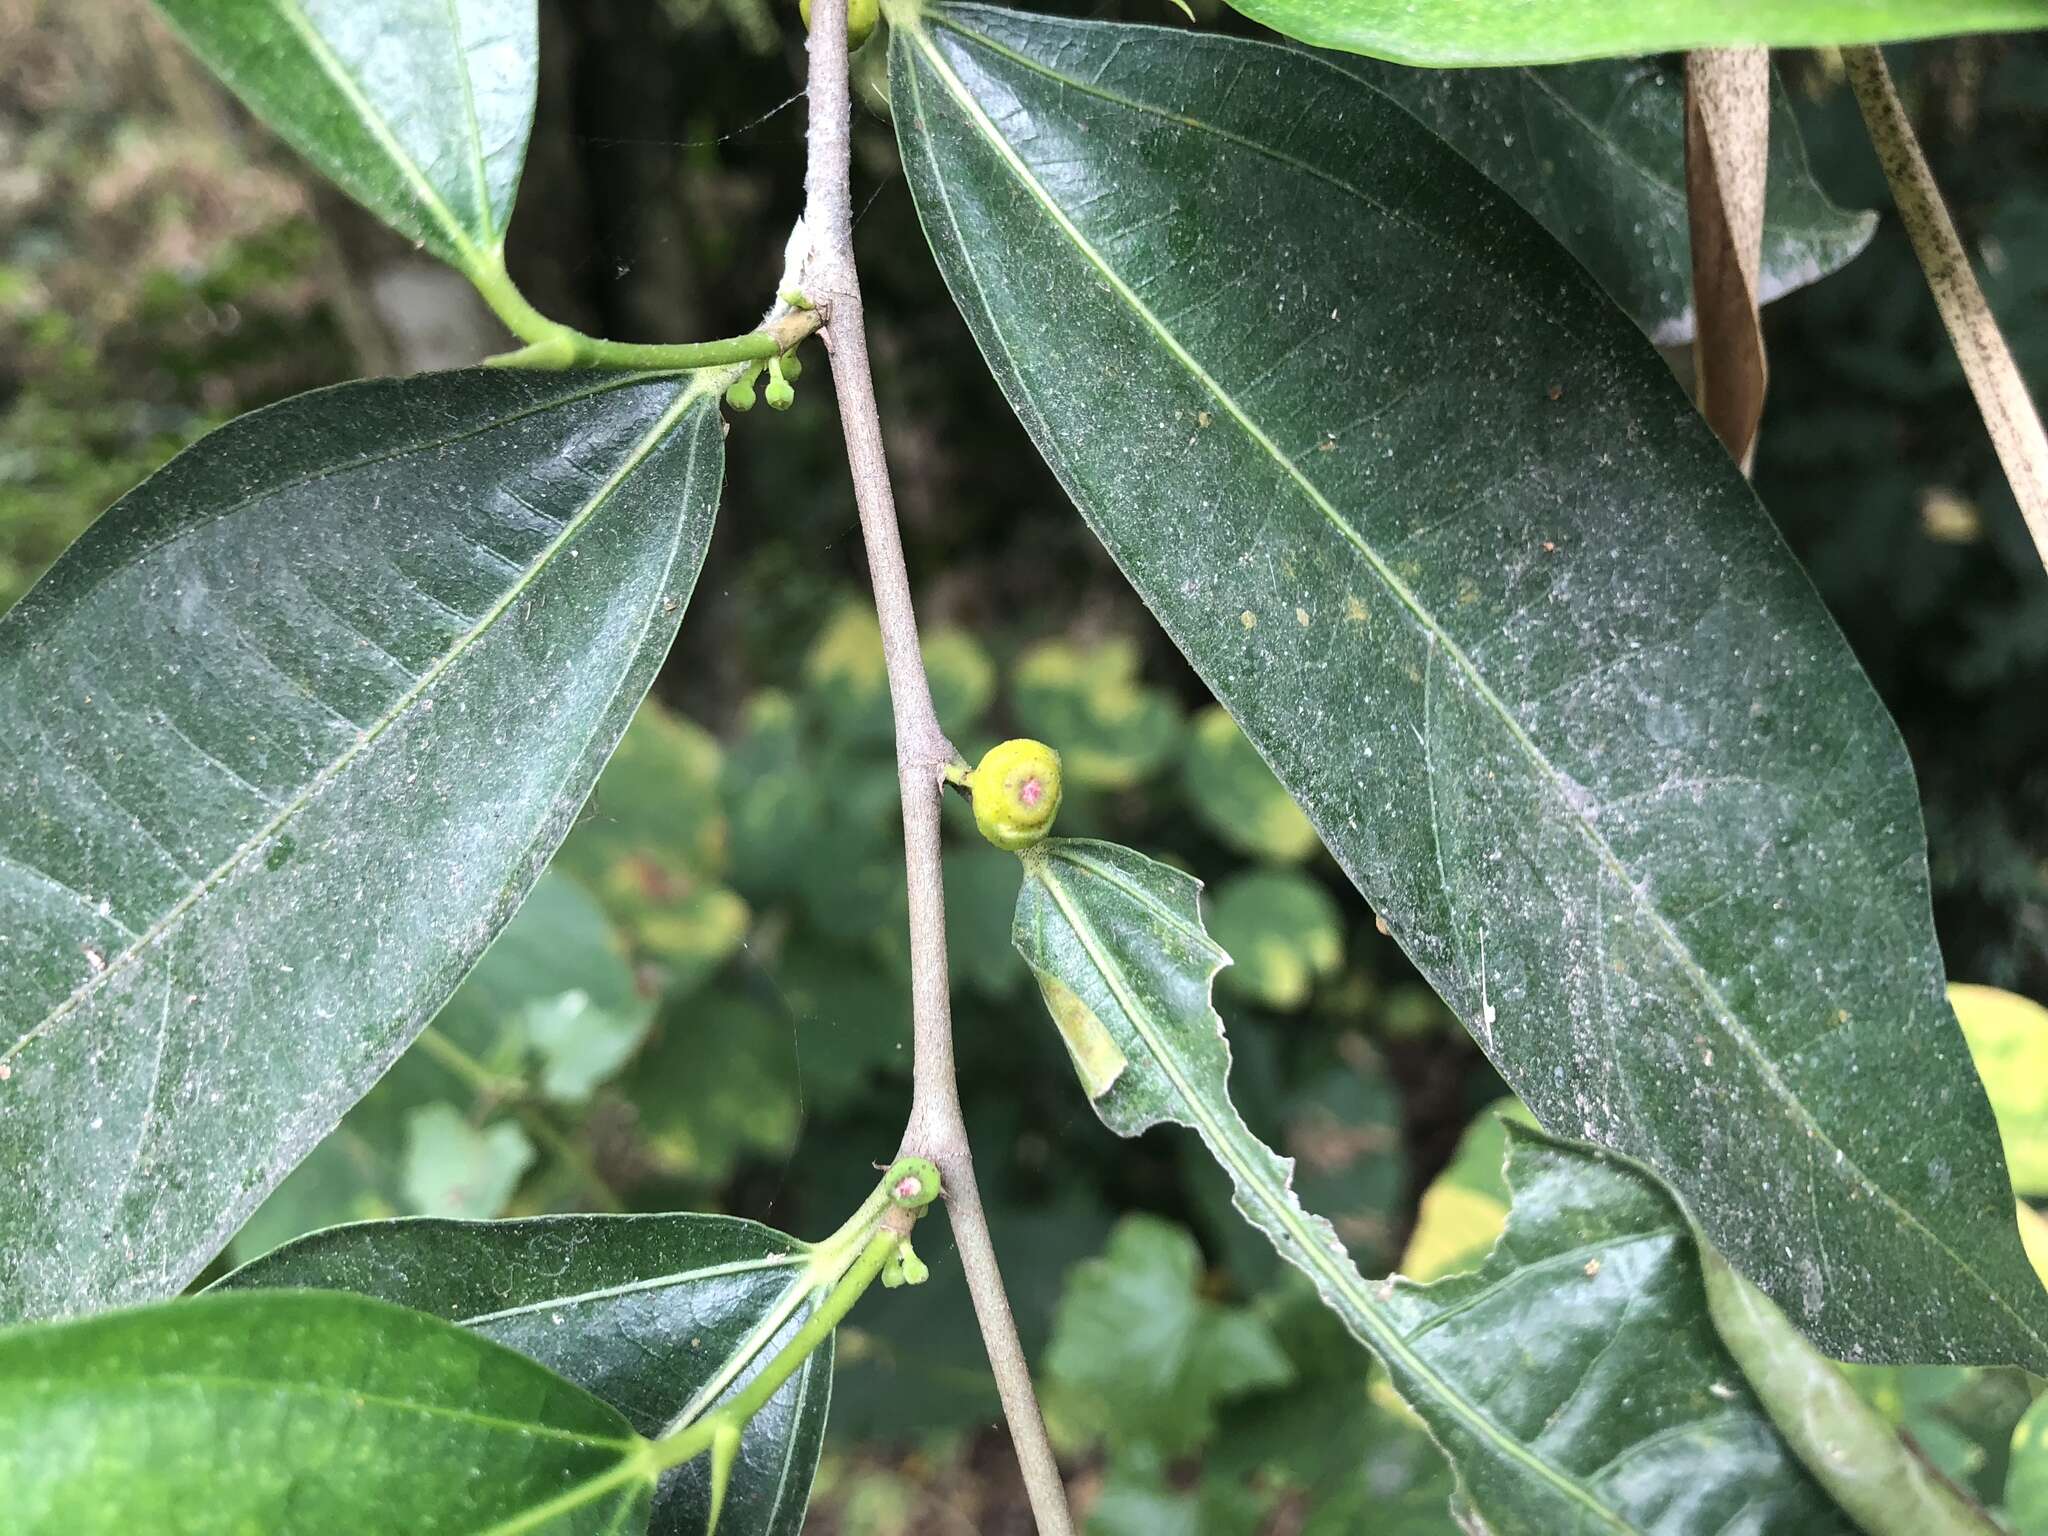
<point x="419" y="109"/>
<point x="1597" y="153"/>
<point x="1438" y="32"/>
<point x="284" y="740"/>
<point x="1843" y="1440"/>
<point x="301" y="1414"/>
<point x="662" y="1317"/>
<point x="1573" y="1380"/>
<point x="1436" y="525"/>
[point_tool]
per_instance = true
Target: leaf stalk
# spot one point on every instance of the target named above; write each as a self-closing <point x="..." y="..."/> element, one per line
<point x="553" y="345"/>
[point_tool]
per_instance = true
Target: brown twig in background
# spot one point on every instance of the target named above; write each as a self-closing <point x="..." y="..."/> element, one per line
<point x="2002" y="399"/>
<point x="1727" y="147"/>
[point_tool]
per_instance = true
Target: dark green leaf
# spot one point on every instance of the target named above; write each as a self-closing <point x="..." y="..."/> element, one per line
<point x="1574" y="1379"/>
<point x="1481" y="587"/>
<point x="419" y="109"/>
<point x="556" y="967"/>
<point x="662" y="1317"/>
<point x="288" y="735"/>
<point x="1597" y="153"/>
<point x="302" y="1414"/>
<point x="1436" y="32"/>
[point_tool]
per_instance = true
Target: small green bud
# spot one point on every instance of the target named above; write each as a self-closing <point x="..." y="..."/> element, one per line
<point x="1016" y="788"/>
<point x="892" y="1271"/>
<point x="780" y="396"/>
<point x="792" y="367"/>
<point x="913" y="1268"/>
<point x="913" y="1183"/>
<point x="741" y="395"/>
<point x="861" y="16"/>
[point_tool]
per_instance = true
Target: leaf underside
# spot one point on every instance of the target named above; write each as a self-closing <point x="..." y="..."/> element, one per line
<point x="1503" y="32"/>
<point x="662" y="1317"/>
<point x="1440" y="531"/>
<point x="1574" y="1379"/>
<point x="419" y="109"/>
<point x="288" y="735"/>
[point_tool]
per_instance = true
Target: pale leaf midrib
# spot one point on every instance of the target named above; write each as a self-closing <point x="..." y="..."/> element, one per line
<point x="1846" y="1169"/>
<point x="479" y="173"/>
<point x="351" y="90"/>
<point x="676" y="1280"/>
<point x="635" y="1466"/>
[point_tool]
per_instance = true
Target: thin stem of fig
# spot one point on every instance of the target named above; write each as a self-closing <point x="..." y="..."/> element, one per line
<point x="924" y="757"/>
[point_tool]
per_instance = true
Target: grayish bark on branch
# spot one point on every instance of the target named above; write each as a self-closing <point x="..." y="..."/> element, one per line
<point x="935" y="1129"/>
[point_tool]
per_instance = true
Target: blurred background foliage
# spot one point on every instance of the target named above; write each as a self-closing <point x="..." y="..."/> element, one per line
<point x="704" y="1004"/>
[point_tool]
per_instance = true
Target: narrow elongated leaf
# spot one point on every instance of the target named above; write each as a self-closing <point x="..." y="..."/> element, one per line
<point x="419" y="109"/>
<point x="1440" y="531"/>
<point x="284" y="740"/>
<point x="1852" y="1451"/>
<point x="1505" y="32"/>
<point x="1597" y="153"/>
<point x="1574" y="1379"/>
<point x="302" y="1414"/>
<point x="662" y="1317"/>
